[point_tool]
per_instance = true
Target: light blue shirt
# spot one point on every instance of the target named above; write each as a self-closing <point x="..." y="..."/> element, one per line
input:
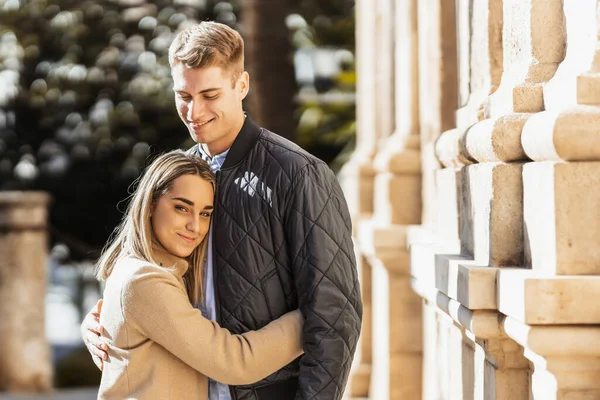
<point x="216" y="390"/>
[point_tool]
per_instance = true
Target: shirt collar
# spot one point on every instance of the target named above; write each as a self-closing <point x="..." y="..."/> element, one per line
<point x="207" y="158"/>
<point x="243" y="143"/>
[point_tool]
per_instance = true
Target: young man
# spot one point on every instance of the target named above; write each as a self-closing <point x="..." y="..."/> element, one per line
<point x="281" y="235"/>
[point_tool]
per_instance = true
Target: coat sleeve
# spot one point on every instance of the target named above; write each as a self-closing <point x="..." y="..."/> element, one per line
<point x="318" y="231"/>
<point x="155" y="303"/>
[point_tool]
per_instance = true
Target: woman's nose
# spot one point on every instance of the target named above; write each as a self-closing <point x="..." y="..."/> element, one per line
<point x="193" y="224"/>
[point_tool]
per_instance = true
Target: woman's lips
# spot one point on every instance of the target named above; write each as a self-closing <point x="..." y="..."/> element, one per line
<point x="187" y="238"/>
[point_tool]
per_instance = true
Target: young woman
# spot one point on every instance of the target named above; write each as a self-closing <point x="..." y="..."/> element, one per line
<point x="159" y="345"/>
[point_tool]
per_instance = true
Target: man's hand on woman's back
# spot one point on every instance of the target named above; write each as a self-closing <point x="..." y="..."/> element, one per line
<point x="90" y="332"/>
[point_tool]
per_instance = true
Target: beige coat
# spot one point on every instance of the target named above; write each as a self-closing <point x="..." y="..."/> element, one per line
<point x="160" y="347"/>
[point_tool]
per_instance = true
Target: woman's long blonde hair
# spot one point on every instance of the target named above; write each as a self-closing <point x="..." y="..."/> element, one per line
<point x="134" y="236"/>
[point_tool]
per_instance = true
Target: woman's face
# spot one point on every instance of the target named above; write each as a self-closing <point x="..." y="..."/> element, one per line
<point x="180" y="218"/>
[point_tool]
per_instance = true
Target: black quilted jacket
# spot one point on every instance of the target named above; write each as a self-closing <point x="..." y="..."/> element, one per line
<point x="282" y="242"/>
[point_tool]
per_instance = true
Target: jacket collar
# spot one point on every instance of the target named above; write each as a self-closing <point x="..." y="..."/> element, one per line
<point x="244" y="142"/>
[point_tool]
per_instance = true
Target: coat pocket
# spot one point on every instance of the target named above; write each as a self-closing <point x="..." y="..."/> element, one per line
<point x="274" y="294"/>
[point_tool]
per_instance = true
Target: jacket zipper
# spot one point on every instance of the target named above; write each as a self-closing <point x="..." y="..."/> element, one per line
<point x="214" y="266"/>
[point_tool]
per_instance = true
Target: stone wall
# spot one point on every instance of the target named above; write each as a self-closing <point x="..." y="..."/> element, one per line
<point x="473" y="192"/>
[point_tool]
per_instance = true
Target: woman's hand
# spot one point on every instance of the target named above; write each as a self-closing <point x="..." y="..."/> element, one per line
<point x="90" y="332"/>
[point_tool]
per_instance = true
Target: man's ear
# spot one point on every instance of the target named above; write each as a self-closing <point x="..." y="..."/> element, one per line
<point x="244" y="84"/>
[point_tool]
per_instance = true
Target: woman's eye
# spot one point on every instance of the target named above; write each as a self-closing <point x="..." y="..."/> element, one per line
<point x="180" y="208"/>
<point x="206" y="214"/>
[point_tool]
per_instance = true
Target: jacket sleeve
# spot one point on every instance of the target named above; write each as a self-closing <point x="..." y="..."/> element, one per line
<point x="155" y="303"/>
<point x="318" y="231"/>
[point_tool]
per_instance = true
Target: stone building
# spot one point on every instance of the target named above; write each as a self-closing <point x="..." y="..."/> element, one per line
<point x="475" y="194"/>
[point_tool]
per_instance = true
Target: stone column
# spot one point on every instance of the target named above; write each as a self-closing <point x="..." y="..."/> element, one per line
<point x="396" y="368"/>
<point x="25" y="364"/>
<point x="437" y="99"/>
<point x="437" y="102"/>
<point x="479" y="360"/>
<point x="384" y="76"/>
<point x="357" y="175"/>
<point x="360" y="379"/>
<point x="564" y="359"/>
<point x="396" y="372"/>
<point x="505" y="58"/>
<point x="549" y="307"/>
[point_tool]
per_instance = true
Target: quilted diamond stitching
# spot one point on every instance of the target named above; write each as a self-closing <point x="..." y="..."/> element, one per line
<point x="246" y="235"/>
<point x="282" y="169"/>
<point x="347" y="296"/>
<point x="324" y="231"/>
<point x="326" y="195"/>
<point x="324" y="275"/>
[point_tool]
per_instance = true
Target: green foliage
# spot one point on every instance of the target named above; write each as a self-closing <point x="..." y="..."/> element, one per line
<point x="326" y="110"/>
<point x="332" y="21"/>
<point x="88" y="99"/>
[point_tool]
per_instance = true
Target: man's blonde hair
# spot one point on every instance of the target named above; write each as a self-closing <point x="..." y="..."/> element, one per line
<point x="209" y="44"/>
<point x="134" y="236"/>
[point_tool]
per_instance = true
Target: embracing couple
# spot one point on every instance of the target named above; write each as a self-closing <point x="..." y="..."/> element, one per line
<point x="232" y="274"/>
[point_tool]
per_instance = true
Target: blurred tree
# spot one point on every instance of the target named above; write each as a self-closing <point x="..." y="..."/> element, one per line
<point x="88" y="98"/>
<point x="269" y="62"/>
<point x="85" y="94"/>
<point x="322" y="33"/>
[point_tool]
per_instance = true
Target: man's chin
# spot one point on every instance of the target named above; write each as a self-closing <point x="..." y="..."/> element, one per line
<point x="200" y="137"/>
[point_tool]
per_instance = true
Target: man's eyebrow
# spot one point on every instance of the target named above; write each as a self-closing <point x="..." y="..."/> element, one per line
<point x="184" y="200"/>
<point x="200" y="92"/>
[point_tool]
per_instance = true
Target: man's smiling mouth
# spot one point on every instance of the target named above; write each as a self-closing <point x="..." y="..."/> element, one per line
<point x="196" y="125"/>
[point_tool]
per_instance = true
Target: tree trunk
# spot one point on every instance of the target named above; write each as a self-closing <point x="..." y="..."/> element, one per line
<point x="269" y="62"/>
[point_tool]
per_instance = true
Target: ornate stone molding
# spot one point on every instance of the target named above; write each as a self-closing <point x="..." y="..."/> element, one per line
<point x="397" y="346"/>
<point x="534" y="299"/>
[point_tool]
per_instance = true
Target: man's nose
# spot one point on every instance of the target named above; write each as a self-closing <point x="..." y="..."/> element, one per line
<point x="195" y="109"/>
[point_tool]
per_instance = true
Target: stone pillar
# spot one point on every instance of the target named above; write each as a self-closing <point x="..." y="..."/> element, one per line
<point x="357" y="175"/>
<point x="527" y="255"/>
<point x="25" y="364"/>
<point x="533" y="39"/>
<point x="479" y="361"/>
<point x="360" y="379"/>
<point x="384" y="69"/>
<point x="396" y="371"/>
<point x="505" y="261"/>
<point x="437" y="88"/>
<point x="549" y="307"/>
<point x="437" y="102"/>
<point x="505" y="58"/>
<point x="564" y="359"/>
<point x="396" y="368"/>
